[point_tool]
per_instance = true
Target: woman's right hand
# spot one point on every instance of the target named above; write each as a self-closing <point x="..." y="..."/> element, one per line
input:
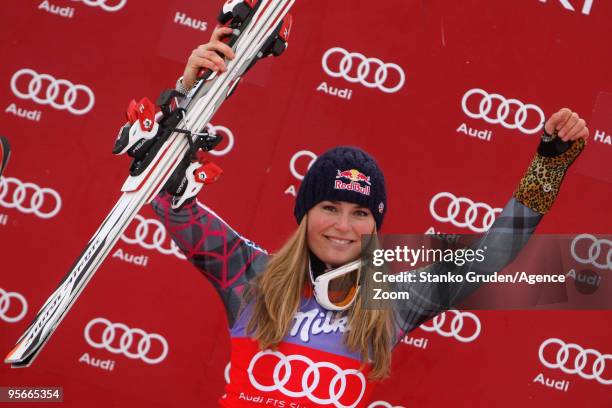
<point x="205" y="56"/>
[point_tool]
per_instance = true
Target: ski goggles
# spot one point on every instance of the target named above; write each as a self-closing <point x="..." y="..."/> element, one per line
<point x="338" y="288"/>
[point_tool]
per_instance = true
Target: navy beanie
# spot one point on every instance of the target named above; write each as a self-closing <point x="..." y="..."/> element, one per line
<point x="344" y="173"/>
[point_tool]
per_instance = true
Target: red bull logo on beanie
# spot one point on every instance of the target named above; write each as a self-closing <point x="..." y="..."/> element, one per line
<point x="355" y="179"/>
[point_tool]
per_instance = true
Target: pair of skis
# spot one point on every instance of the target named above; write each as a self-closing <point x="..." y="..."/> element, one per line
<point x="260" y="28"/>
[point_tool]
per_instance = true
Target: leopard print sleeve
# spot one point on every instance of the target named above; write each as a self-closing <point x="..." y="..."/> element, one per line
<point x="540" y="185"/>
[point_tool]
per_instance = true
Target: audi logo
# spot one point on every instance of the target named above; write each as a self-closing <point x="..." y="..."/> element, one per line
<point x="292" y="163"/>
<point x="6" y="303"/>
<point x="468" y="220"/>
<point x="580" y="361"/>
<point x="383" y="404"/>
<point x="126" y="340"/>
<point x="456" y="325"/>
<point x="309" y="378"/>
<point x="502" y="113"/>
<point x="365" y="66"/>
<point x="155" y="240"/>
<point x="51" y="96"/>
<point x="215" y="129"/>
<point x="38" y="198"/>
<point x="595" y="250"/>
<point x="103" y="4"/>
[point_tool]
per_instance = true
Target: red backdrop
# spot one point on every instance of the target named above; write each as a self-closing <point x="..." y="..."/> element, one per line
<point x="450" y="98"/>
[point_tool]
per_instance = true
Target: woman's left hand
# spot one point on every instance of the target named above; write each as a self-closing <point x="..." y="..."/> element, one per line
<point x="568" y="124"/>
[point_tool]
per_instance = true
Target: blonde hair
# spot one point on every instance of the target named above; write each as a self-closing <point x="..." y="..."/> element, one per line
<point x="276" y="295"/>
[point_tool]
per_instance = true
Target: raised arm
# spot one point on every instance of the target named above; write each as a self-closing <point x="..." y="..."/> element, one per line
<point x="510" y="232"/>
<point x="224" y="257"/>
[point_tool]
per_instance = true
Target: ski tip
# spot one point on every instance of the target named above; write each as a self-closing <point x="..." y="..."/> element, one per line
<point x="9" y="359"/>
<point x="17" y="359"/>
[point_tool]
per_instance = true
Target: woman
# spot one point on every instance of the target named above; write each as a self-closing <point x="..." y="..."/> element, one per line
<point x="295" y="348"/>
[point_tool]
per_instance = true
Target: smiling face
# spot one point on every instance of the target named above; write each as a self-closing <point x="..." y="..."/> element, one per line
<point x="335" y="229"/>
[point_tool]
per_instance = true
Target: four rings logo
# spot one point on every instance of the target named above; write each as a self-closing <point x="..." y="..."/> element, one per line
<point x="369" y="72"/>
<point x="456" y="326"/>
<point x="579" y="364"/>
<point x="120" y="339"/>
<point x="59" y="93"/>
<point x="468" y="220"/>
<point x="485" y="110"/>
<point x="29" y="198"/>
<point x="106" y="5"/>
<point x="151" y="234"/>
<point x="309" y="378"/>
<point x="10" y="301"/>
<point x="596" y="248"/>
